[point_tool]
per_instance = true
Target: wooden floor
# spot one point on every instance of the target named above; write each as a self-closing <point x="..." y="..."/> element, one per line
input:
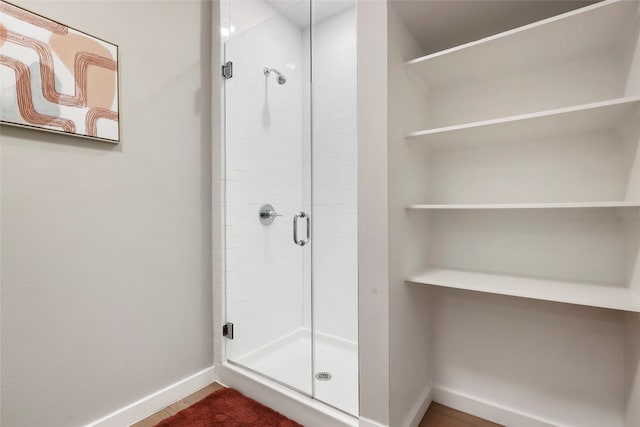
<point x="442" y="416"/>
<point x="436" y="416"/>
<point x="178" y="406"/>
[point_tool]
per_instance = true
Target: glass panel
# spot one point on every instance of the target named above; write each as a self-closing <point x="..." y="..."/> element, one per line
<point x="292" y="144"/>
<point x="267" y="162"/>
<point x="334" y="185"/>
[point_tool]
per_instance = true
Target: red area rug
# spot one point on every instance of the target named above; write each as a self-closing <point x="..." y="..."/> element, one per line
<point x="227" y="408"/>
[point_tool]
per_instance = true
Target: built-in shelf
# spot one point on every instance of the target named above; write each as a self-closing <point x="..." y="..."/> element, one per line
<point x="594" y="28"/>
<point x="519" y="88"/>
<point x="522" y="152"/>
<point x="576" y="205"/>
<point x="588" y="294"/>
<point x="540" y="125"/>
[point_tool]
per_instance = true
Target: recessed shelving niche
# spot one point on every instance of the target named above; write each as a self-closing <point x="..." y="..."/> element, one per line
<point x="531" y="157"/>
<point x="515" y="198"/>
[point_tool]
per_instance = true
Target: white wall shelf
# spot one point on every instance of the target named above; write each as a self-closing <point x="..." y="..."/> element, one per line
<point x="525" y="166"/>
<point x="585" y="118"/>
<point x="545" y="112"/>
<point x="487" y="206"/>
<point x="588" y="294"/>
<point x="594" y="28"/>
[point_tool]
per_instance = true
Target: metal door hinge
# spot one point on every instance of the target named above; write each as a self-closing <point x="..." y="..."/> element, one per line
<point x="227" y="330"/>
<point x="227" y="70"/>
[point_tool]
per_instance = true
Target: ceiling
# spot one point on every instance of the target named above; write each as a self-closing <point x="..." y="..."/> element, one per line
<point x="298" y="12"/>
<point x="441" y="24"/>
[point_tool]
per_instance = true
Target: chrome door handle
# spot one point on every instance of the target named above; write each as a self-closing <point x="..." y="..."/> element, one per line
<point x="295" y="229"/>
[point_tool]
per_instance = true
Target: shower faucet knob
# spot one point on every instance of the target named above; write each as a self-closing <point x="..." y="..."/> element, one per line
<point x="267" y="214"/>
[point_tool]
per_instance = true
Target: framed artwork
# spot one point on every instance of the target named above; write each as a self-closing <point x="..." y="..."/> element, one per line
<point x="55" y="78"/>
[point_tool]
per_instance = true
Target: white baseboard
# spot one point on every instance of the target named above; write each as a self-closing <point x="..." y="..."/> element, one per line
<point x="413" y="418"/>
<point x="366" y="422"/>
<point x="306" y="410"/>
<point x="151" y="404"/>
<point x="419" y="409"/>
<point x="488" y="410"/>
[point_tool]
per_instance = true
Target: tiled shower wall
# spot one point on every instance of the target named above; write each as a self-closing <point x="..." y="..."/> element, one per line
<point x="263" y="165"/>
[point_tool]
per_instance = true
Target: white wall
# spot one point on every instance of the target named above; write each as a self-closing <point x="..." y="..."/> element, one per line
<point x="554" y="361"/>
<point x="373" y="213"/>
<point x="460" y="101"/>
<point x="632" y="370"/>
<point x="409" y="362"/>
<point x="106" y="281"/>
<point x="263" y="147"/>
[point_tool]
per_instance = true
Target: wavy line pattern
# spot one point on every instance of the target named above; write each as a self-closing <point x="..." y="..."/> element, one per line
<point x="33" y="19"/>
<point x="82" y="62"/>
<point x="94" y="115"/>
<point x="3" y="34"/>
<point x="92" y="87"/>
<point x="24" y="95"/>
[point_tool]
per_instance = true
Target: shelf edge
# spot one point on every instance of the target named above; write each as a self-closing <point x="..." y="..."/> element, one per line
<point x="508" y="33"/>
<point x="507" y="206"/>
<point x="523" y="117"/>
<point x="633" y="306"/>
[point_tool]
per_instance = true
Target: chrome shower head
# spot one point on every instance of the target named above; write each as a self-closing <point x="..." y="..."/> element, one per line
<point x="281" y="78"/>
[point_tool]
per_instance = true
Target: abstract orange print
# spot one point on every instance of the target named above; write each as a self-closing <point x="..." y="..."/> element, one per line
<point x="56" y="78"/>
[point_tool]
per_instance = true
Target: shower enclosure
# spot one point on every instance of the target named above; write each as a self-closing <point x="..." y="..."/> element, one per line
<point x="290" y="189"/>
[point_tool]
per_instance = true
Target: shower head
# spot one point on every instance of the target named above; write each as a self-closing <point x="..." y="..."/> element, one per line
<point x="281" y="78"/>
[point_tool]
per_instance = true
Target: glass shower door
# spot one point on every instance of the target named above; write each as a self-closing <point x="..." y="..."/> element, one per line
<point x="334" y="189"/>
<point x="288" y="149"/>
<point x="268" y="187"/>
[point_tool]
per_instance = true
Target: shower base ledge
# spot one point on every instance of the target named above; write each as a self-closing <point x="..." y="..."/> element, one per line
<point x="303" y="409"/>
<point x="287" y="360"/>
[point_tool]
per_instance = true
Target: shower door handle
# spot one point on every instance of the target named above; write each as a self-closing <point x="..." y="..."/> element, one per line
<point x="296" y="217"/>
